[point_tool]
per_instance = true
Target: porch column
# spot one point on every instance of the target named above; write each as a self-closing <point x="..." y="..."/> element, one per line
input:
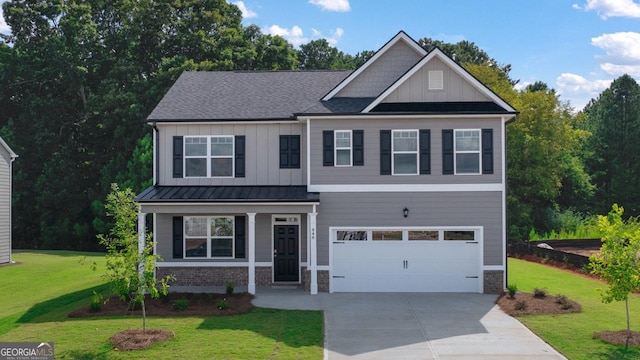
<point x="313" y="252"/>
<point x="252" y="253"/>
<point x="141" y="236"/>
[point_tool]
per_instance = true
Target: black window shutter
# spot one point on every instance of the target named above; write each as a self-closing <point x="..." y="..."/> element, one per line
<point x="425" y="152"/>
<point x="447" y="152"/>
<point x="487" y="151"/>
<point x="177" y="157"/>
<point x="241" y="236"/>
<point x="327" y="148"/>
<point x="285" y="152"/>
<point x="240" y="152"/>
<point x="178" y="237"/>
<point x="385" y="152"/>
<point x="358" y="147"/>
<point x="294" y="147"/>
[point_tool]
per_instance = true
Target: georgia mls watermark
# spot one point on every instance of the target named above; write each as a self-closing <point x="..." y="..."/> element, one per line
<point x="26" y="351"/>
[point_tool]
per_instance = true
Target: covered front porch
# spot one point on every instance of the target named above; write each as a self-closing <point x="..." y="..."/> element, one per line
<point x="249" y="235"/>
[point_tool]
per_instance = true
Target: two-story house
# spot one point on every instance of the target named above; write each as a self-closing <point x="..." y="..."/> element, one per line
<point x="7" y="156"/>
<point x="387" y="178"/>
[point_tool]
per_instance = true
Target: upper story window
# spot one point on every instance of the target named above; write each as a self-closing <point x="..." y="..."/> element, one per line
<point x="208" y="156"/>
<point x="467" y="151"/>
<point x="342" y="148"/>
<point x="405" y="152"/>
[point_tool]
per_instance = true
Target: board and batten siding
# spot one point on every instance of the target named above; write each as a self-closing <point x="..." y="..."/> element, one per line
<point x="433" y="209"/>
<point x="262" y="156"/>
<point x="370" y="172"/>
<point x="5" y="206"/>
<point x="383" y="72"/>
<point x="416" y="88"/>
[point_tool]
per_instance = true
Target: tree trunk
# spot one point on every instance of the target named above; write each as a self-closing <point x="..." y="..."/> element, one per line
<point x="144" y="316"/>
<point x="626" y="303"/>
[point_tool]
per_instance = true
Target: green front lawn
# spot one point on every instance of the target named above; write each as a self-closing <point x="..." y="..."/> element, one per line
<point x="571" y="334"/>
<point x="39" y="293"/>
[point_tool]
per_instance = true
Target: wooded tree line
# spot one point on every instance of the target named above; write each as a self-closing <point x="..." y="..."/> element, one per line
<point x="77" y="80"/>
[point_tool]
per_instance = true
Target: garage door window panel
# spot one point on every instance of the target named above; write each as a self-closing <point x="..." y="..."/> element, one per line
<point x="352" y="235"/>
<point x="459" y="235"/>
<point x="424" y="235"/>
<point x="386" y="235"/>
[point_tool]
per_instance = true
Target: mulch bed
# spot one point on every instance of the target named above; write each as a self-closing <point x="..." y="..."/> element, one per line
<point x="198" y="305"/>
<point x="526" y="304"/>
<point x="620" y="337"/>
<point x="138" y="340"/>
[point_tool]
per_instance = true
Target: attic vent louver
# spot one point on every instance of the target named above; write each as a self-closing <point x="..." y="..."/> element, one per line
<point x="436" y="80"/>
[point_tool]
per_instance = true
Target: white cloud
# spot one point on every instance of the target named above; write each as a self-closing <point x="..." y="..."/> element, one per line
<point x="246" y="12"/>
<point x="622" y="53"/>
<point x="612" y="8"/>
<point x="332" y="5"/>
<point x="295" y="35"/>
<point x="579" y="90"/>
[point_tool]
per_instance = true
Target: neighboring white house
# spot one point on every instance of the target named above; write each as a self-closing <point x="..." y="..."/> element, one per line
<point x="6" y="159"/>
<point x="389" y="178"/>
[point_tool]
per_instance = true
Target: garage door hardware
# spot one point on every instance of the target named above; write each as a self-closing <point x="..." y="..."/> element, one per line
<point x="472" y="277"/>
<point x="338" y="277"/>
<point x="405" y="264"/>
<point x="471" y="242"/>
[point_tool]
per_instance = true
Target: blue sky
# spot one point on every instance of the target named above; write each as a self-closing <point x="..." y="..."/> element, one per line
<point x="576" y="46"/>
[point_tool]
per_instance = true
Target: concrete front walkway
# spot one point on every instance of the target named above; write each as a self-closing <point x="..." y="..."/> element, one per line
<point x="414" y="325"/>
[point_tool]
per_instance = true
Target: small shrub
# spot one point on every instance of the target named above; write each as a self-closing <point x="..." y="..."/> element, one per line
<point x="96" y="302"/>
<point x="539" y="293"/>
<point x="222" y="304"/>
<point x="564" y="302"/>
<point x="512" y="289"/>
<point x="180" y="304"/>
<point x="521" y="305"/>
<point x="230" y="287"/>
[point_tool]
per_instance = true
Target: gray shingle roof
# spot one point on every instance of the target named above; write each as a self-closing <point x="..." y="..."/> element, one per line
<point x="225" y="194"/>
<point x="251" y="95"/>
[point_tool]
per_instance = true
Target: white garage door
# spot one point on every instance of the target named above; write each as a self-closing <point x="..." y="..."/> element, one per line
<point x="406" y="260"/>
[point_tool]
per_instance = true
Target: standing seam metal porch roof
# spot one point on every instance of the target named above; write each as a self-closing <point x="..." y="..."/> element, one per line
<point x="227" y="194"/>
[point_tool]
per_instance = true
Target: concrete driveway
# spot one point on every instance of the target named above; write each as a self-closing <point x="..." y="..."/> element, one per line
<point x="414" y="325"/>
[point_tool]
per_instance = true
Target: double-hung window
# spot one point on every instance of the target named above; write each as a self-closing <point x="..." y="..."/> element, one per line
<point x="208" y="156"/>
<point x="208" y="237"/>
<point x="343" y="147"/>
<point x="467" y="151"/>
<point x="405" y="152"/>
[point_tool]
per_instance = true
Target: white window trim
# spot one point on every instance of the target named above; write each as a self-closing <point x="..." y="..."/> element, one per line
<point x="456" y="152"/>
<point x="405" y="233"/>
<point x="210" y="237"/>
<point x="336" y="147"/>
<point x="416" y="152"/>
<point x="209" y="157"/>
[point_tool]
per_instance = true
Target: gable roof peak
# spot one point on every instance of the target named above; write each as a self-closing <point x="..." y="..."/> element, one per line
<point x="400" y="36"/>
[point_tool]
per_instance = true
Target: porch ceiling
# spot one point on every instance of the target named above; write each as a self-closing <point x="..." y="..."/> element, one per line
<point x="227" y="194"/>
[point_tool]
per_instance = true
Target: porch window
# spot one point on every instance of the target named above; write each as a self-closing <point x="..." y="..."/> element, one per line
<point x="208" y="237"/>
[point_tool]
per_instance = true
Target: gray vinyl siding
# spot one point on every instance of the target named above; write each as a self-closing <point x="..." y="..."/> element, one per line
<point x="370" y="172"/>
<point x="5" y="206"/>
<point x="382" y="73"/>
<point x="425" y="209"/>
<point x="262" y="153"/>
<point x="416" y="89"/>
<point x="163" y="235"/>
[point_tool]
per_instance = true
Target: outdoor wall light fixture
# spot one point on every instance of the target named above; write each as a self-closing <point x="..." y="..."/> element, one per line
<point x="405" y="212"/>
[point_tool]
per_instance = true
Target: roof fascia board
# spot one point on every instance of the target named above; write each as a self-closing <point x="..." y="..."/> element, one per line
<point x="225" y="122"/>
<point x="453" y="66"/>
<point x="401" y="36"/>
<point x="227" y="203"/>
<point x="6" y="146"/>
<point x="386" y="116"/>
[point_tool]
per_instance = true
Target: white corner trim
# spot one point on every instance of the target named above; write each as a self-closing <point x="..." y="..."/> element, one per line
<point x="406" y="187"/>
<point x="323" y="267"/>
<point x="493" y="267"/>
